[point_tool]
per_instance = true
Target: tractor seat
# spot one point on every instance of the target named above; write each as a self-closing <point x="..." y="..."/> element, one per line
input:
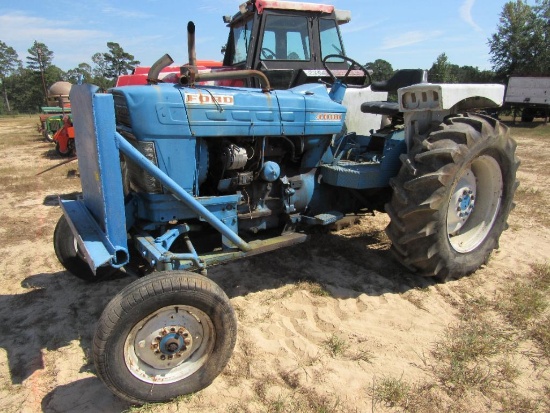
<point x="401" y="78"/>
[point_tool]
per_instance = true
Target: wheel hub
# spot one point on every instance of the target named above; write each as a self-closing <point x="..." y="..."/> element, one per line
<point x="172" y="342"/>
<point x="169" y="344"/>
<point x="462" y="202"/>
<point x="474" y="204"/>
<point x="465" y="203"/>
<point x="163" y="347"/>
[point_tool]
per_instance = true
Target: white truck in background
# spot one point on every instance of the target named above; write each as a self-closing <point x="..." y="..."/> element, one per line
<point x="531" y="95"/>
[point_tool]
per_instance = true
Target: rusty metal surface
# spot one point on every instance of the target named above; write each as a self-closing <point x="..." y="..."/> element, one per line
<point x="292" y="5"/>
<point x="256" y="247"/>
<point x="231" y="74"/>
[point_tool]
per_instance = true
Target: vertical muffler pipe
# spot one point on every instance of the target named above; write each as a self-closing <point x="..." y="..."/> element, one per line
<point x="191" y="50"/>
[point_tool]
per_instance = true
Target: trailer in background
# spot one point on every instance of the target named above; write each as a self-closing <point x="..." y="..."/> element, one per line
<point x="531" y="95"/>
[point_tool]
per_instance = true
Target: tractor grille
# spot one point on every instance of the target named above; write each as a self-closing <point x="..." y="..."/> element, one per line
<point x="122" y="114"/>
<point x="135" y="178"/>
<point x="138" y="179"/>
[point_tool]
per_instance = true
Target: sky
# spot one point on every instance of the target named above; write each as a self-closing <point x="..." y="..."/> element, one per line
<point x="406" y="33"/>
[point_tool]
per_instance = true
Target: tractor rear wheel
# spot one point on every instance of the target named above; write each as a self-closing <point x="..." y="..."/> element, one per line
<point x="165" y="335"/>
<point x="452" y="196"/>
<point x="69" y="152"/>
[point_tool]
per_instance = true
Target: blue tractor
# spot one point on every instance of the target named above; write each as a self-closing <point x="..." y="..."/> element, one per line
<point x="182" y="176"/>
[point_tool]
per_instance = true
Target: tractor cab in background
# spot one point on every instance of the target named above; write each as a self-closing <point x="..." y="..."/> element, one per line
<point x="287" y="41"/>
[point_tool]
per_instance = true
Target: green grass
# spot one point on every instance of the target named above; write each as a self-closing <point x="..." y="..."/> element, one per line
<point x="522" y="302"/>
<point x="335" y="345"/>
<point x="391" y="392"/>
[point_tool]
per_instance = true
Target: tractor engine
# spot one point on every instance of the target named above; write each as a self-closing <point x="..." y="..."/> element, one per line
<point x="258" y="150"/>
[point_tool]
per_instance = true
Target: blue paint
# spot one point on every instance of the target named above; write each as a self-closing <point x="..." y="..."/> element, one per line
<point x="101" y="178"/>
<point x="270" y="171"/>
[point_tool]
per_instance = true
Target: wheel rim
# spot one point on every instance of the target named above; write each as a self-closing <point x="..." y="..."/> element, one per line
<point x="474" y="204"/>
<point x="169" y="345"/>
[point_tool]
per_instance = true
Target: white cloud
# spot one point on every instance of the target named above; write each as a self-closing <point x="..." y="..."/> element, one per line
<point x="350" y="28"/>
<point x="125" y="13"/>
<point x="466" y="14"/>
<point x="17" y="27"/>
<point x="408" y="38"/>
<point x="20" y="30"/>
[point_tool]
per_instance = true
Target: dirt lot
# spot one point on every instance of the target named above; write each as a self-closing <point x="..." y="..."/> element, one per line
<point x="334" y="325"/>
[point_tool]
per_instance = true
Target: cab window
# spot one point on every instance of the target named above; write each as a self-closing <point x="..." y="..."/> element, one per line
<point x="330" y="39"/>
<point x="241" y="38"/>
<point x="286" y="38"/>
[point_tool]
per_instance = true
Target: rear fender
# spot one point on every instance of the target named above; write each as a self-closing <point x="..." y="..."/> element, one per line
<point x="426" y="103"/>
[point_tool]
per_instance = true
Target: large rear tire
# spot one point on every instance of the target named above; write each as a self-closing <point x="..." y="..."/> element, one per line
<point x="452" y="196"/>
<point x="165" y="335"/>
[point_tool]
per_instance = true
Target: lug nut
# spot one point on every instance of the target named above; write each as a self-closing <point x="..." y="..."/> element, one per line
<point x="163" y="357"/>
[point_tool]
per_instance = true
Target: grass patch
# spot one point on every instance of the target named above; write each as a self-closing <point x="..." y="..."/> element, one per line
<point x="524" y="304"/>
<point x="521" y="303"/>
<point x="335" y="345"/>
<point x="533" y="202"/>
<point x="314" y="288"/>
<point x="391" y="392"/>
<point x="541" y="335"/>
<point x="514" y="402"/>
<point x="363" y="355"/>
<point x="472" y="340"/>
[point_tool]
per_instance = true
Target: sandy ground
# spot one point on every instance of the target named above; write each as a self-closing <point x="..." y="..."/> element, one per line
<point x="386" y="318"/>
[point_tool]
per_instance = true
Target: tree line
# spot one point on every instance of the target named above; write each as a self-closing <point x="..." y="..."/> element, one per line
<point x="24" y="86"/>
<point x="520" y="46"/>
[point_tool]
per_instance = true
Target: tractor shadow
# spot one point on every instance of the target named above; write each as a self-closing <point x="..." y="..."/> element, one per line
<point x="58" y="310"/>
<point x="83" y="396"/>
<point x="55" y="310"/>
<point x="345" y="266"/>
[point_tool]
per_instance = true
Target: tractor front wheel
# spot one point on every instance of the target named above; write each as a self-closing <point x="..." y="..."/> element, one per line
<point x="452" y="197"/>
<point x="69" y="255"/>
<point x="165" y="335"/>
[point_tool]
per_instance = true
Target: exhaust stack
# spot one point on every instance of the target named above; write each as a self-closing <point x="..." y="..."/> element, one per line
<point x="191" y="50"/>
<point x="154" y="71"/>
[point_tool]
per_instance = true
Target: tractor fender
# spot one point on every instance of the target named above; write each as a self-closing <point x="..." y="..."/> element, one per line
<point x="453" y="97"/>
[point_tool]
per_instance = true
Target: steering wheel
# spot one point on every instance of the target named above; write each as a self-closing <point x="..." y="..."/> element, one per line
<point x="353" y="64"/>
<point x="264" y="52"/>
